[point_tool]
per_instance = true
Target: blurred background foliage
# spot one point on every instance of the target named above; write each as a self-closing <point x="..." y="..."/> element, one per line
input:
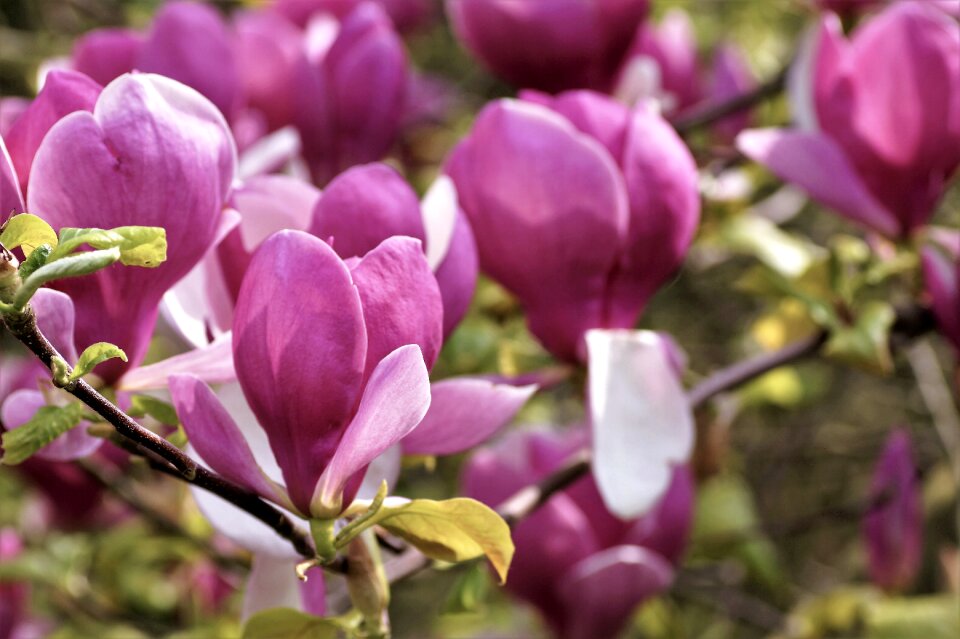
<point x="783" y="465"/>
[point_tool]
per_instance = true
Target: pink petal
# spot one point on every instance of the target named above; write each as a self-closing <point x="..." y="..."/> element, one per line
<point x="548" y="208"/>
<point x="63" y="93"/>
<point x="106" y="54"/>
<point x="395" y="400"/>
<point x="602" y="591"/>
<point x="271" y="203"/>
<point x="464" y="413"/>
<point x="153" y="153"/>
<point x="56" y="319"/>
<point x="189" y="42"/>
<point x="272" y="584"/>
<point x="364" y="206"/>
<point x="212" y="364"/>
<point x="941" y="274"/>
<point x="11" y="200"/>
<point x="215" y="435"/>
<point x="298" y="330"/>
<point x="893" y="526"/>
<point x="818" y="166"/>
<point x="400" y="299"/>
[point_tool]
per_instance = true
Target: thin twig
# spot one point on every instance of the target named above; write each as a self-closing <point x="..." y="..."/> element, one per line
<point x="713" y="112"/>
<point x="161" y="453"/>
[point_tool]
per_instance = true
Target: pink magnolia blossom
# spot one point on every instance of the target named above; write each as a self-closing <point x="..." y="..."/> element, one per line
<point x="941" y="274"/>
<point x="580" y="207"/>
<point x="350" y="90"/>
<point x="405" y="14"/>
<point x="662" y="65"/>
<point x="553" y="45"/>
<point x="879" y="117"/>
<point x="584" y="569"/>
<point x="149" y="151"/>
<point x="893" y="526"/>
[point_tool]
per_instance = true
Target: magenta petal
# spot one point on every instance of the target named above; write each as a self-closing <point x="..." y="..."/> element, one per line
<point x="55" y="318"/>
<point x="817" y="165"/>
<point x="20" y="406"/>
<point x="363" y="206"/>
<point x="893" y="526"/>
<point x="11" y="200"/>
<point x="212" y="364"/>
<point x="153" y="153"/>
<point x="271" y="203"/>
<point x="400" y="299"/>
<point x="941" y="274"/>
<point x="271" y="584"/>
<point x="463" y="413"/>
<point x="106" y="54"/>
<point x="602" y="591"/>
<point x="299" y="347"/>
<point x="532" y="185"/>
<point x="63" y="93"/>
<point x="394" y="401"/>
<point x="215" y="436"/>
<point x="189" y="42"/>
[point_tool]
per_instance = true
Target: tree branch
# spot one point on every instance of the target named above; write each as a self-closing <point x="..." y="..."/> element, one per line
<point x="709" y="113"/>
<point x="162" y="454"/>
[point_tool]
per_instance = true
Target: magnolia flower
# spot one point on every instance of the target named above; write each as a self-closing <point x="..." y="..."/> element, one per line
<point x="662" y="65"/>
<point x="893" y="526"/>
<point x="149" y="152"/>
<point x="405" y="14"/>
<point x="941" y="273"/>
<point x="580" y="207"/>
<point x="552" y="45"/>
<point x="879" y="118"/>
<point x="584" y="569"/>
<point x="349" y="90"/>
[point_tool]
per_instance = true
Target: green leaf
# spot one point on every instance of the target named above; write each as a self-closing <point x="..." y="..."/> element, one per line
<point x="72" y="266"/>
<point x="139" y="245"/>
<point x="754" y="235"/>
<point x="28" y="232"/>
<point x="163" y="412"/>
<point x="37" y="258"/>
<point x="928" y="617"/>
<point x="286" y="623"/>
<point x="47" y="424"/>
<point x="866" y="343"/>
<point x="452" y="530"/>
<point x="93" y="355"/>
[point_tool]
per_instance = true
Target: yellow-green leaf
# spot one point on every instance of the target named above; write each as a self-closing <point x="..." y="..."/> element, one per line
<point x="452" y="530"/>
<point x="867" y="342"/>
<point x="144" y="246"/>
<point x="28" y="232"/>
<point x="47" y="424"/>
<point x="286" y="623"/>
<point x="93" y="355"/>
<point x="71" y="266"/>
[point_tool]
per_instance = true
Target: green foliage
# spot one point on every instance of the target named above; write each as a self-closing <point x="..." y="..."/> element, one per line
<point x="93" y="355"/>
<point x="144" y="405"/>
<point x="284" y="623"/>
<point x="71" y="266"/>
<point x="46" y="425"/>
<point x="28" y="232"/>
<point x="36" y="259"/>
<point x="144" y="246"/>
<point x="452" y="530"/>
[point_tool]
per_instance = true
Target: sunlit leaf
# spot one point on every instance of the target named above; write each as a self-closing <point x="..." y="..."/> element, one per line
<point x="71" y="266"/>
<point x="47" y="424"/>
<point x="865" y="343"/>
<point x="144" y="246"/>
<point x="28" y="232"/>
<point x="452" y="530"/>
<point x="286" y="623"/>
<point x="93" y="355"/>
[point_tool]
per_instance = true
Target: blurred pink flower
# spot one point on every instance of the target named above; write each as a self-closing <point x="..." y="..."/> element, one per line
<point x="584" y="569"/>
<point x="879" y="117"/>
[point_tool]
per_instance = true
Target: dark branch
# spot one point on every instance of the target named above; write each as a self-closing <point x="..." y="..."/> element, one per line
<point x="161" y="454"/>
<point x="713" y="112"/>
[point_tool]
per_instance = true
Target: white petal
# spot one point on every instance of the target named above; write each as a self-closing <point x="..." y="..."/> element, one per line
<point x="642" y="423"/>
